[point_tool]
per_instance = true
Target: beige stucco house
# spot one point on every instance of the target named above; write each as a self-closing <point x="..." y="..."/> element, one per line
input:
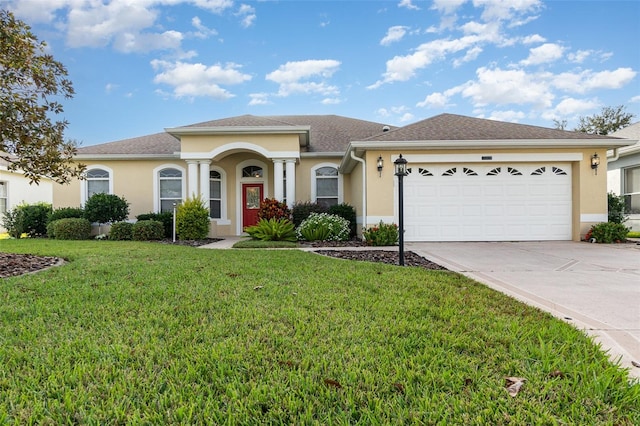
<point x="469" y="179"/>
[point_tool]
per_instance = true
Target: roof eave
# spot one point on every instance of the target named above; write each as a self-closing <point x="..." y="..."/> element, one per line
<point x="174" y="156"/>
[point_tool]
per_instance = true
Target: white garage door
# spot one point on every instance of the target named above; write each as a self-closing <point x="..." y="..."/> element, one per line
<point x="487" y="202"/>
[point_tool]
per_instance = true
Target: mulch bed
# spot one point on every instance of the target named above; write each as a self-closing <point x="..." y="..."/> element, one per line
<point x="12" y="264"/>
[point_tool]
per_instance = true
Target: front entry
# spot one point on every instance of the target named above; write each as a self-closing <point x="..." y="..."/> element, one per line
<point x="251" y="199"/>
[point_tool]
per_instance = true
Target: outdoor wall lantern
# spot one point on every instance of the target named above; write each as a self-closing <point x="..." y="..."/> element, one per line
<point x="400" y="165"/>
<point x="380" y="164"/>
<point x="595" y="162"/>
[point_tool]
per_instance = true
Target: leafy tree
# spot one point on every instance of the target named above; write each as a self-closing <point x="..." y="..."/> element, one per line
<point x="30" y="83"/>
<point x="608" y="121"/>
<point x="559" y="124"/>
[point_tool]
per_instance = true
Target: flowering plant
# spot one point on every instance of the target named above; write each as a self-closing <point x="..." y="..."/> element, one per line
<point x="383" y="234"/>
<point x="323" y="227"/>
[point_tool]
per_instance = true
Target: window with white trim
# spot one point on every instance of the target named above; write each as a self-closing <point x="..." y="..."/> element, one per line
<point x="97" y="182"/>
<point x="170" y="184"/>
<point x="326" y="186"/>
<point x="631" y="190"/>
<point x="215" y="194"/>
<point x="3" y="197"/>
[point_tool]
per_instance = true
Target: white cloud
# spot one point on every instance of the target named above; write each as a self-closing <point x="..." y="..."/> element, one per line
<point x="588" y="80"/>
<point x="471" y="55"/>
<point x="534" y="38"/>
<point x="634" y="99"/>
<point x="198" y="80"/>
<point x="394" y="34"/>
<point x="247" y="15"/>
<point x="434" y="100"/>
<point x="572" y="106"/>
<point x="406" y="117"/>
<point x="331" y="101"/>
<point x="259" y="99"/>
<point x="293" y="77"/>
<point x="110" y="87"/>
<point x="546" y="53"/>
<point x="447" y="6"/>
<point x="507" y="10"/>
<point x="37" y="10"/>
<point x="408" y="4"/>
<point x="203" y="31"/>
<point x="579" y="56"/>
<point x="495" y="86"/>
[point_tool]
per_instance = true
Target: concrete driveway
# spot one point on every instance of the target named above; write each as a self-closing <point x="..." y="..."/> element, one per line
<point x="595" y="287"/>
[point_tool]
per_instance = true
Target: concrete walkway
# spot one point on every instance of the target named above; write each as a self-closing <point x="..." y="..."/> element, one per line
<point x="595" y="287"/>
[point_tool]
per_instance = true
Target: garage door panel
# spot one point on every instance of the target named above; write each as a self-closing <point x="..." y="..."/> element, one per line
<point x="516" y="203"/>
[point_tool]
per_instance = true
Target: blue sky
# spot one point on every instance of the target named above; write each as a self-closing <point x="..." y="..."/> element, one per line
<point x="141" y="66"/>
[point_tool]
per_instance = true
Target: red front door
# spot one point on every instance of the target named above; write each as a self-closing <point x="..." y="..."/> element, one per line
<point x="251" y="199"/>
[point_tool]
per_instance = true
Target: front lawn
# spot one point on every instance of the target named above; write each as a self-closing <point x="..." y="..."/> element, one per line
<point x="150" y="333"/>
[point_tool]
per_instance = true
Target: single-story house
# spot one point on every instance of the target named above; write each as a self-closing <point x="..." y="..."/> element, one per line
<point x="15" y="189"/>
<point x="469" y="179"/>
<point x="623" y="173"/>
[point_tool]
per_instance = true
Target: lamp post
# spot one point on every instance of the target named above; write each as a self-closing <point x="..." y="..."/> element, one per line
<point x="174" y="222"/>
<point x="400" y="165"/>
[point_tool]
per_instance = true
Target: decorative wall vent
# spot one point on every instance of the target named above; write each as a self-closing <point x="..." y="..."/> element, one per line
<point x="450" y="172"/>
<point x="494" y="172"/>
<point x="469" y="172"/>
<point x="538" y="172"/>
<point x="513" y="171"/>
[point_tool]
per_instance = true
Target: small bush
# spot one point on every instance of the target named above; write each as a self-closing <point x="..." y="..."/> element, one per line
<point x="616" y="205"/>
<point x="147" y="230"/>
<point x="12" y="222"/>
<point x="301" y="211"/>
<point x="192" y="219"/>
<point x="166" y="218"/>
<point x="608" y="232"/>
<point x="270" y="208"/>
<point x="64" y="213"/>
<point x="121" y="231"/>
<point x="346" y="211"/>
<point x="272" y="230"/>
<point x="323" y="227"/>
<point x="384" y="234"/>
<point x="71" y="229"/>
<point x="106" y="208"/>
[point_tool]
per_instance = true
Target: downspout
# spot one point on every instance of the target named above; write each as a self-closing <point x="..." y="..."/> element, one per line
<point x="364" y="187"/>
<point x="615" y="155"/>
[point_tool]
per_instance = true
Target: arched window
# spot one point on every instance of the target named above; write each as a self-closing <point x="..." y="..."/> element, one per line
<point x="97" y="182"/>
<point x="326" y="185"/>
<point x="215" y="194"/>
<point x="170" y="184"/>
<point x="252" y="172"/>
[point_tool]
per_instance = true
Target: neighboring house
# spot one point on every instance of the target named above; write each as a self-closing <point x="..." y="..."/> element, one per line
<point x="469" y="179"/>
<point x="15" y="189"/>
<point x="623" y="173"/>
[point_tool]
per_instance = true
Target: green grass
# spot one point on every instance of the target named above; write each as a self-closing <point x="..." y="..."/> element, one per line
<point x="265" y="244"/>
<point x="144" y="333"/>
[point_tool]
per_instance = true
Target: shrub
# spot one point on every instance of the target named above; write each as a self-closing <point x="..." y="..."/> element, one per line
<point x="346" y="211"/>
<point x="106" y="208"/>
<point x="65" y="212"/>
<point x="608" y="232"/>
<point x="192" y="219"/>
<point x="616" y="206"/>
<point x="71" y="229"/>
<point x="301" y="211"/>
<point x="121" y="231"/>
<point x="166" y="218"/>
<point x="34" y="218"/>
<point x="272" y="230"/>
<point x="12" y="222"/>
<point x="147" y="230"/>
<point x="384" y="234"/>
<point x="270" y="208"/>
<point x="323" y="227"/>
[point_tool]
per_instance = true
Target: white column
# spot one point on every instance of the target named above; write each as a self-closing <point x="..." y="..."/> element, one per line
<point x="192" y="177"/>
<point x="204" y="181"/>
<point x="278" y="179"/>
<point x="291" y="181"/>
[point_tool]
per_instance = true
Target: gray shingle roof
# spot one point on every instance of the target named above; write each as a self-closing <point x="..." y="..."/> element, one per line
<point x="445" y="127"/>
<point x="156" y="144"/>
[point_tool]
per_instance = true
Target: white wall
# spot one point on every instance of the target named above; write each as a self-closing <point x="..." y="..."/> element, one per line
<point x="19" y="191"/>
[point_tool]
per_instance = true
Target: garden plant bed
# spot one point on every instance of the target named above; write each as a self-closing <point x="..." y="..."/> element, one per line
<point x="383" y="256"/>
<point x="17" y="264"/>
